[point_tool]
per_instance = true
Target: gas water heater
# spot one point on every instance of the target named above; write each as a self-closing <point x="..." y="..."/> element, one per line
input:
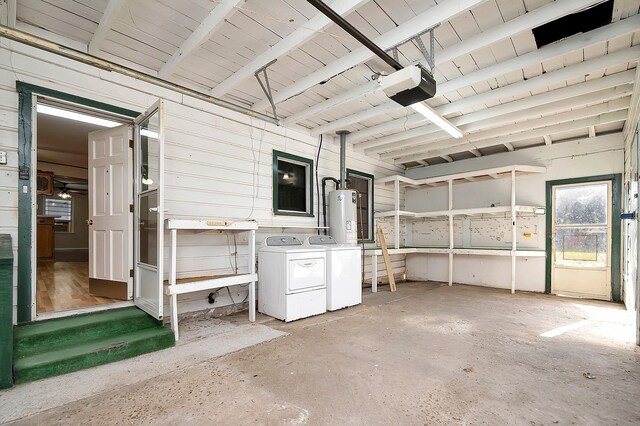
<point x="343" y="225"/>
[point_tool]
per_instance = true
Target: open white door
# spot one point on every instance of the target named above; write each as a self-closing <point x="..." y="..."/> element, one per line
<point x="110" y="219"/>
<point x="149" y="210"/>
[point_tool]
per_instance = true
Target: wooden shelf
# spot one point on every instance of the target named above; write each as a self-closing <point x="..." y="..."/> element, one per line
<point x="488" y="251"/>
<point x="479" y="211"/>
<point x="450" y="181"/>
<point x="494" y="173"/>
<point x="189" y="285"/>
<point x="392" y="213"/>
<point x="211" y="225"/>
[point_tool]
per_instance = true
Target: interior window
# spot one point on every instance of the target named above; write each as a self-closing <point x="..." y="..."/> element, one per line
<point x="62" y="210"/>
<point x="292" y="184"/>
<point x="363" y="183"/>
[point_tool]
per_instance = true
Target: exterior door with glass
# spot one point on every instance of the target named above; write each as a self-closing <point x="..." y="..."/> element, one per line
<point x="581" y="240"/>
<point x="149" y="210"/>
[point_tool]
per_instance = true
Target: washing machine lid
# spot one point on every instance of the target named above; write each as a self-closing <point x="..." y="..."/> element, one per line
<point x="282" y="240"/>
<point x="320" y="240"/>
<point x="286" y="243"/>
<point x="329" y="243"/>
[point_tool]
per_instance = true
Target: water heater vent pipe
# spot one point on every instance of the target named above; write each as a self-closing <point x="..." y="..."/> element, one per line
<point x="343" y="153"/>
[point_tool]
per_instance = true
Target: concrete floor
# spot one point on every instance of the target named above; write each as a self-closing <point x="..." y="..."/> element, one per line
<point x="427" y="354"/>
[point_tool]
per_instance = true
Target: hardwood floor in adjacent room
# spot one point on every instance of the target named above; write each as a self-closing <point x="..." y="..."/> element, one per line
<point x="65" y="285"/>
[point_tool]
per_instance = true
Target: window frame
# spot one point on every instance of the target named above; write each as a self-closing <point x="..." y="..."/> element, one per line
<point x="69" y="222"/>
<point x="371" y="179"/>
<point x="294" y="159"/>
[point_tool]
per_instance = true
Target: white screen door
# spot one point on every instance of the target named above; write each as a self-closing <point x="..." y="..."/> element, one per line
<point x="581" y="263"/>
<point x="149" y="210"/>
<point x="110" y="220"/>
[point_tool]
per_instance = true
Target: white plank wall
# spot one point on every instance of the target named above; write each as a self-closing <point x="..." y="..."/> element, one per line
<point x="212" y="155"/>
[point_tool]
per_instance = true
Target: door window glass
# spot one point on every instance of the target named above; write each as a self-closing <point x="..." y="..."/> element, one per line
<point x="148" y="247"/>
<point x="582" y="246"/>
<point x="149" y="150"/>
<point x="582" y="205"/>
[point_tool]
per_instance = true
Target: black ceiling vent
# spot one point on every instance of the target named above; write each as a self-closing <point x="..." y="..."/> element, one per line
<point x="579" y="22"/>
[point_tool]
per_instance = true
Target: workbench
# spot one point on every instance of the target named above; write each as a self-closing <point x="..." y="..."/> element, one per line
<point x="193" y="284"/>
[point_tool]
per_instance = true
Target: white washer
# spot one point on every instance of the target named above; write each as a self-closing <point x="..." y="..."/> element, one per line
<point x="292" y="282"/>
<point x="344" y="271"/>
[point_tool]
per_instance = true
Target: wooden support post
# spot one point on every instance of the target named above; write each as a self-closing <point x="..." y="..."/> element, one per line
<point x="450" y="184"/>
<point x="173" y="299"/>
<point x="513" y="231"/>
<point x="374" y="273"/>
<point x="396" y="217"/>
<point x="252" y="270"/>
<point x="387" y="260"/>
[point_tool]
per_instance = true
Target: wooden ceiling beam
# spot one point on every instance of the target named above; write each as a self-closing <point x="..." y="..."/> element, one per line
<point x="524" y="22"/>
<point x="286" y="45"/>
<point x="558" y="112"/>
<point x="355" y="118"/>
<point x="8" y="13"/>
<point x="106" y="22"/>
<point x="547" y="79"/>
<point x="355" y="93"/>
<point x="525" y="132"/>
<point x="544" y="98"/>
<point x="207" y="28"/>
<point x="405" y="31"/>
<point x="568" y="110"/>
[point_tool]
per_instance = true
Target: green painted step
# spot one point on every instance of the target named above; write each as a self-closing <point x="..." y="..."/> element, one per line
<point x="92" y="353"/>
<point x="43" y="336"/>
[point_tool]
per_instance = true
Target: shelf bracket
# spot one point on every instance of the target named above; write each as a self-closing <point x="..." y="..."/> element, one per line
<point x="266" y="87"/>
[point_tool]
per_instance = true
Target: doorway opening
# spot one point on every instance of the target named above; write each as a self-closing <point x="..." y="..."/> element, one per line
<point x="67" y="194"/>
<point x="583" y="247"/>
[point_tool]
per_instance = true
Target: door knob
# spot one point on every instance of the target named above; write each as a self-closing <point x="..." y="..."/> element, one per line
<point x="89" y="222"/>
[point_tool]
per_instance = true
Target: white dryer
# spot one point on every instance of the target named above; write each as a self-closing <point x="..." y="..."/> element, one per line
<point x="344" y="271"/>
<point x="292" y="282"/>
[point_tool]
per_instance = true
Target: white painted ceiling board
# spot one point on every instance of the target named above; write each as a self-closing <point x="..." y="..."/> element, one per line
<point x="147" y="32"/>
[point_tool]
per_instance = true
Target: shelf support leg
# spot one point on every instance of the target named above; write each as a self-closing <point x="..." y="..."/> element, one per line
<point x="173" y="300"/>
<point x="514" y="235"/>
<point x="374" y="273"/>
<point x="396" y="217"/>
<point x="450" y="185"/>
<point x="252" y="270"/>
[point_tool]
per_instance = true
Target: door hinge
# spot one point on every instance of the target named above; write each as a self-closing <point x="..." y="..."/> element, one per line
<point x="130" y="273"/>
<point x="130" y="208"/>
<point x="131" y="143"/>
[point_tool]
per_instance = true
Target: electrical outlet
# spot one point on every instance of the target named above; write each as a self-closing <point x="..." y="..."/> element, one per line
<point x="3" y="158"/>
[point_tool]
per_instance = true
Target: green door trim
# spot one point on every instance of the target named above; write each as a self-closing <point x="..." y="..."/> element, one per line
<point x="25" y="133"/>
<point x="616" y="183"/>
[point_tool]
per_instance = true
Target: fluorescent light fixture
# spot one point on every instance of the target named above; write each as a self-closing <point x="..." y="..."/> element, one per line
<point x="436" y="119"/>
<point x="76" y="116"/>
<point x="149" y="133"/>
